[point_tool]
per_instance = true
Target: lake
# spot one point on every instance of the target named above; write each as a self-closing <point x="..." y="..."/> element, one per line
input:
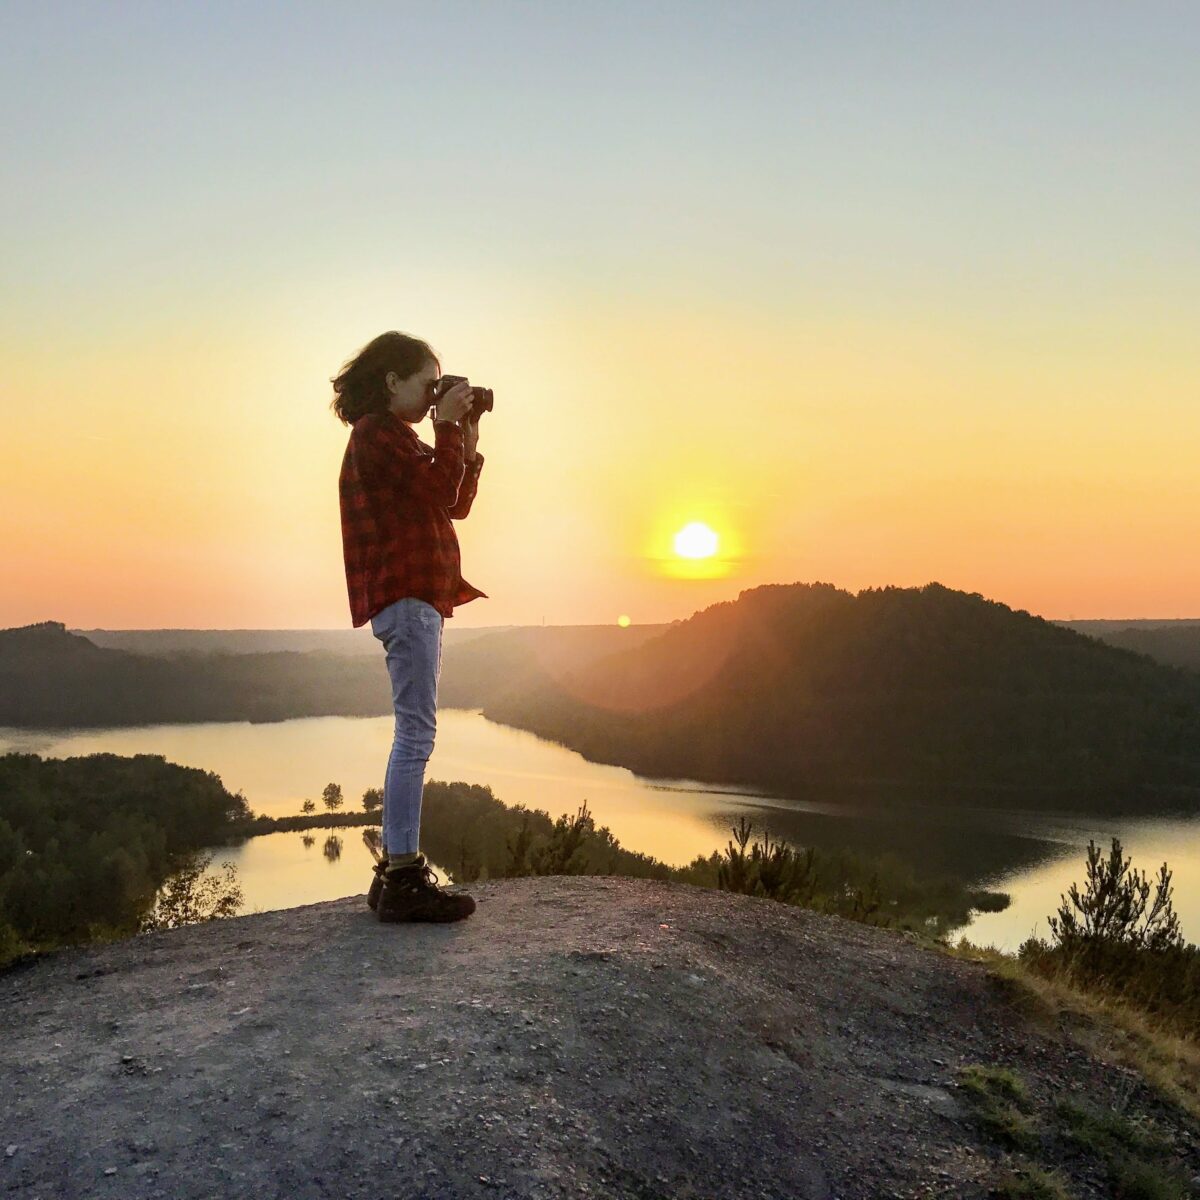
<point x="1034" y="855"/>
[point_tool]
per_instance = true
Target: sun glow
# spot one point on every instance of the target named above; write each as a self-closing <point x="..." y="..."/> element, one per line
<point x="696" y="540"/>
<point x="681" y="541"/>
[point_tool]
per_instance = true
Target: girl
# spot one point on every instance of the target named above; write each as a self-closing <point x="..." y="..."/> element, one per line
<point x="399" y="497"/>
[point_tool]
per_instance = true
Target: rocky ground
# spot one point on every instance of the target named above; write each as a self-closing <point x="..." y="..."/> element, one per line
<point x="574" y="1037"/>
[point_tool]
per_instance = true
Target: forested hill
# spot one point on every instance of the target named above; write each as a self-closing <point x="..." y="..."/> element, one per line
<point x="1174" y="642"/>
<point x="52" y="678"/>
<point x="806" y="684"/>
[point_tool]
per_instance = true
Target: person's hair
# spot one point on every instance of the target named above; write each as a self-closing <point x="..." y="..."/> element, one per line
<point x="359" y="388"/>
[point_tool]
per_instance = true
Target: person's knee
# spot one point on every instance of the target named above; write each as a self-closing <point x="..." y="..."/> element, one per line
<point x="414" y="745"/>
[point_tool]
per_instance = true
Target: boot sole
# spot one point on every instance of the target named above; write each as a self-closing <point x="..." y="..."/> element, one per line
<point x="399" y="918"/>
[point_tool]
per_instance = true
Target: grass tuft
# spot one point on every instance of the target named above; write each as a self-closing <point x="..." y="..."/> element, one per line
<point x="1001" y="1103"/>
<point x="1030" y="1182"/>
<point x="1132" y="1179"/>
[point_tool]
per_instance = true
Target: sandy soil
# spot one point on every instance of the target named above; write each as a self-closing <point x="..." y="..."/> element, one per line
<point x="574" y="1037"/>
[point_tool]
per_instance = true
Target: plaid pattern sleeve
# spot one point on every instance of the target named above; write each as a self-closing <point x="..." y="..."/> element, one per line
<point x="396" y="457"/>
<point x="397" y="496"/>
<point x="466" y="492"/>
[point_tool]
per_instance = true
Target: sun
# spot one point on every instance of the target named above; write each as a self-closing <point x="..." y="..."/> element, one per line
<point x="696" y="540"/>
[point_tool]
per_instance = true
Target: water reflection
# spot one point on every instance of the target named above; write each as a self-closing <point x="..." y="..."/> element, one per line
<point x="1147" y="843"/>
<point x="281" y="870"/>
<point x="1033" y="855"/>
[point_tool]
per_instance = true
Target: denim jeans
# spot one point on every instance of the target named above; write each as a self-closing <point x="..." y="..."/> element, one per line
<point x="411" y="633"/>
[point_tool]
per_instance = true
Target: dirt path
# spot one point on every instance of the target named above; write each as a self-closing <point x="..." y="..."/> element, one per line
<point x="574" y="1037"/>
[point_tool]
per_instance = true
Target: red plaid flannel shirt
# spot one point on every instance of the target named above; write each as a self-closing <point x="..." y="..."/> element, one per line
<point x="398" y="496"/>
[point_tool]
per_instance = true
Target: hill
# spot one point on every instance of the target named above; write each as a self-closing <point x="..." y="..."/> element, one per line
<point x="614" y="1037"/>
<point x="178" y="642"/>
<point x="53" y="678"/>
<point x="803" y="686"/>
<point x="1176" y="643"/>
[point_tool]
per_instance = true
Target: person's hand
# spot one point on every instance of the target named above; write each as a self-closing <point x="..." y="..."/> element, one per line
<point x="456" y="403"/>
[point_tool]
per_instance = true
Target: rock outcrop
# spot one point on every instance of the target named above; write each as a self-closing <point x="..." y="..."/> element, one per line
<point x="576" y="1036"/>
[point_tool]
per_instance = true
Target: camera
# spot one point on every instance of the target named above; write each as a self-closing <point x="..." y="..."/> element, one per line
<point x="481" y="397"/>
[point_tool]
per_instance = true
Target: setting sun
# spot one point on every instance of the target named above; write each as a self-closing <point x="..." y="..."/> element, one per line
<point x="696" y="540"/>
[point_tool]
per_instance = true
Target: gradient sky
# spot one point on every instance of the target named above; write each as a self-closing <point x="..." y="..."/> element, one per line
<point x="884" y="293"/>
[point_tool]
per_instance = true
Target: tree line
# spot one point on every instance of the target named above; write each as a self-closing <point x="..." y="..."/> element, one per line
<point x="87" y="842"/>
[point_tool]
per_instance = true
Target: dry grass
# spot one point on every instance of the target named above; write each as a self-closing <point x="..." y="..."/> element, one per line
<point x="1110" y="1029"/>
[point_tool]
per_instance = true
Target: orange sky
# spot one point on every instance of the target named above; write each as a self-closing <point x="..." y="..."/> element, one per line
<point x="201" y="491"/>
<point x="930" y="321"/>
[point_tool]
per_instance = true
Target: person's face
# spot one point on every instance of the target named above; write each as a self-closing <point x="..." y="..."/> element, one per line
<point x="412" y="398"/>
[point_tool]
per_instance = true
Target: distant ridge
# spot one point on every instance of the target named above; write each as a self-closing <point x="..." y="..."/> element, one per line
<point x="53" y="678"/>
<point x="1176" y="643"/>
<point x="256" y="641"/>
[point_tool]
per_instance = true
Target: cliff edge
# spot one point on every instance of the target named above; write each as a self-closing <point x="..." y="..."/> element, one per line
<point x="576" y="1036"/>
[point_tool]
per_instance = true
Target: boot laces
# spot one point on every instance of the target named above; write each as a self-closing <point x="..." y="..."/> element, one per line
<point x="427" y="877"/>
<point x="421" y="876"/>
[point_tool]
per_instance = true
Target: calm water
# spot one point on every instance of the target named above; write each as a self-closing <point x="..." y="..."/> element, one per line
<point x="1033" y="856"/>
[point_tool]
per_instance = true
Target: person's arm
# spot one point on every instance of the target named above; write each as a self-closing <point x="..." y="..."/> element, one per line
<point x="466" y="493"/>
<point x="432" y="478"/>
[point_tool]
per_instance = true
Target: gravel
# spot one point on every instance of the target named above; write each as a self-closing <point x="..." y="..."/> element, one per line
<point x="576" y="1036"/>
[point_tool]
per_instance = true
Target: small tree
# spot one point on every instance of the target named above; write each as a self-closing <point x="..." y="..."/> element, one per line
<point x="469" y="865"/>
<point x="564" y="852"/>
<point x="778" y="871"/>
<point x="1114" y="905"/>
<point x="333" y="847"/>
<point x="309" y="806"/>
<point x="518" y="851"/>
<point x="372" y="799"/>
<point x="332" y="795"/>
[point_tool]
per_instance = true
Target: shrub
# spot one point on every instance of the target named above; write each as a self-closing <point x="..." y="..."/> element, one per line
<point x="1107" y="941"/>
<point x="1113" y="909"/>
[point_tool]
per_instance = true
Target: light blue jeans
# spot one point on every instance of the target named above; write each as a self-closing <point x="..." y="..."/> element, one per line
<point x="411" y="633"/>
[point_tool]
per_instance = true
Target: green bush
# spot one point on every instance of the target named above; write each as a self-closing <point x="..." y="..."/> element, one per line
<point x="1107" y="940"/>
<point x="1113" y="908"/>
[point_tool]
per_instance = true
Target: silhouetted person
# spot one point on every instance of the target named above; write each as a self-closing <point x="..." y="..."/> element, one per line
<point x="398" y="498"/>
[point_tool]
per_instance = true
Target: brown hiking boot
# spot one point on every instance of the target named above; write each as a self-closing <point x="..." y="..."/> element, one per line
<point x="376" y="888"/>
<point x="410" y="894"/>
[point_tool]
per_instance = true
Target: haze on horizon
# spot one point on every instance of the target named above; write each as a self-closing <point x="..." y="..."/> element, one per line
<point x="877" y="294"/>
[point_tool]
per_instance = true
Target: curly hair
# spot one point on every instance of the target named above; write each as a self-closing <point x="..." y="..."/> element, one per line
<point x="359" y="387"/>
